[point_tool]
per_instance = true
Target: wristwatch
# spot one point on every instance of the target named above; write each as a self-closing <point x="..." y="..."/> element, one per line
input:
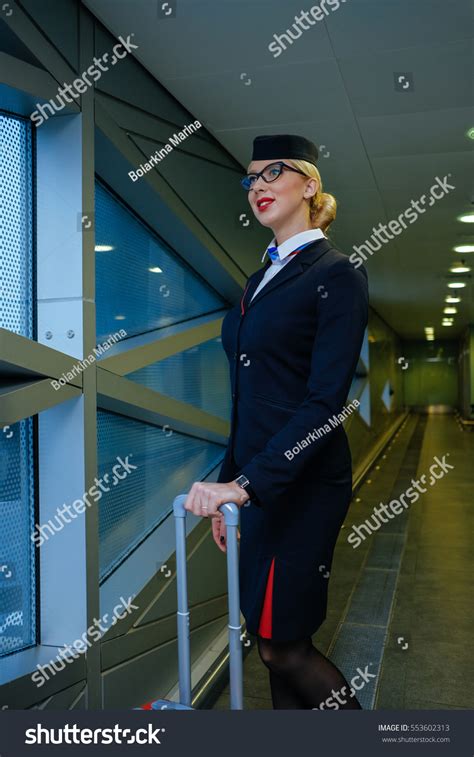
<point x="244" y="483"/>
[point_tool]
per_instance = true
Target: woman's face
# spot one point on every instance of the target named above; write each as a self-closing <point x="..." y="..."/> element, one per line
<point x="275" y="203"/>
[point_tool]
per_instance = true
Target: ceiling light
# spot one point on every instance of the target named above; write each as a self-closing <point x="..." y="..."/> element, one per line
<point x="447" y="323"/>
<point x="155" y="269"/>
<point x="456" y="285"/>
<point x="119" y="317"/>
<point x="464" y="248"/>
<point x="466" y="218"/>
<point x="450" y="311"/>
<point x="103" y="248"/>
<point x="459" y="268"/>
<point x="452" y="299"/>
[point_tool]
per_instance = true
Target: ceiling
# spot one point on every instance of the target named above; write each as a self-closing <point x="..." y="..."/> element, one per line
<point x="383" y="143"/>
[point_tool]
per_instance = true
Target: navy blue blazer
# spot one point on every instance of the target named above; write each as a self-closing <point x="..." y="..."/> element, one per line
<point x="292" y="352"/>
<point x="293" y="349"/>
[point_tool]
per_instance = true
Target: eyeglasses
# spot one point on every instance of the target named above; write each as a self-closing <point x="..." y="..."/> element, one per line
<point x="269" y="173"/>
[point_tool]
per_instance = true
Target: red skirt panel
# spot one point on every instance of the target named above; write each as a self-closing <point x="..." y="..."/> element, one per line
<point x="265" y="625"/>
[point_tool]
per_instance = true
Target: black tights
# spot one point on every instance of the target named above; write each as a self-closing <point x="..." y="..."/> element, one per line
<point x="301" y="678"/>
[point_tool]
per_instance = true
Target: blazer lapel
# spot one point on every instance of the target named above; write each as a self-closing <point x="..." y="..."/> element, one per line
<point x="252" y="284"/>
<point x="301" y="261"/>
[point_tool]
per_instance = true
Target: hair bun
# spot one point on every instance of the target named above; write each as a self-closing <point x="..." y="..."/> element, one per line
<point x="324" y="211"/>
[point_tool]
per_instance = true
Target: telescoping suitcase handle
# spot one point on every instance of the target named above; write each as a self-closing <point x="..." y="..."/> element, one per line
<point x="231" y="519"/>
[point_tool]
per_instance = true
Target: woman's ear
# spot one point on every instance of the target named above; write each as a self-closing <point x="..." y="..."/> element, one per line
<point x="311" y="188"/>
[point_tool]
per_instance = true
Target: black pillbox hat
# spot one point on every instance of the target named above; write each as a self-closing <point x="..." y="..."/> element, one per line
<point x="278" y="146"/>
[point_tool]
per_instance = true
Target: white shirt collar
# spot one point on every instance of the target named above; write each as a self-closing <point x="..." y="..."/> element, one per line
<point x="293" y="242"/>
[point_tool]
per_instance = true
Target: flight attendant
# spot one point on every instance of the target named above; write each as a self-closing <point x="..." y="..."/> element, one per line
<point x="293" y="342"/>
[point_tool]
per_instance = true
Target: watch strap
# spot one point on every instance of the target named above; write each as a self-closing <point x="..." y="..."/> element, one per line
<point x="244" y="483"/>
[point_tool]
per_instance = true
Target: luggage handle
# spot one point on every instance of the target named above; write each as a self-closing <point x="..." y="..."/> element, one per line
<point x="231" y="518"/>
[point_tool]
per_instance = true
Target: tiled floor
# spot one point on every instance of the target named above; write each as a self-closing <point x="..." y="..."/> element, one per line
<point x="403" y="598"/>
<point x="434" y="607"/>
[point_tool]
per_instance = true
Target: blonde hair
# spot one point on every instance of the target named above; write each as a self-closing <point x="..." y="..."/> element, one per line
<point x="322" y="206"/>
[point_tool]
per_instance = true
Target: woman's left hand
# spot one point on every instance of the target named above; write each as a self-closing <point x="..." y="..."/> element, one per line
<point x="204" y="498"/>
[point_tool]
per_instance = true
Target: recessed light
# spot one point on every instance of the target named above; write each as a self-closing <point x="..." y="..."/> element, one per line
<point x="103" y="248"/>
<point x="447" y="323"/>
<point x="456" y="285"/>
<point x="450" y="311"/>
<point x="450" y="298"/>
<point x="466" y="218"/>
<point x="155" y="269"/>
<point x="464" y="248"/>
<point x="120" y="317"/>
<point x="459" y="268"/>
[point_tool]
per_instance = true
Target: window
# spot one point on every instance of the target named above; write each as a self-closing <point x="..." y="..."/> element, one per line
<point x="16" y="225"/>
<point x="167" y="463"/>
<point x="17" y="551"/>
<point x="141" y="284"/>
<point x="199" y="376"/>
<point x="17" y="480"/>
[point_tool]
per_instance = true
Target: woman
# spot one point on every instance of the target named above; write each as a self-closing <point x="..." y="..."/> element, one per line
<point x="293" y="343"/>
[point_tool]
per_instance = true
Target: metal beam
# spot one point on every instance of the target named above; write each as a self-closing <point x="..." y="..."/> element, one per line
<point x="24" y="400"/>
<point x="134" y="157"/>
<point x="35" y="40"/>
<point x="23" y="86"/>
<point x="120" y="395"/>
<point x="24" y="357"/>
<point x="150" y="127"/>
<point x="159" y="345"/>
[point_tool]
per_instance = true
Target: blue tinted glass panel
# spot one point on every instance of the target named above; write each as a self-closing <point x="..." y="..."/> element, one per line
<point x="17" y="551"/>
<point x="16" y="213"/>
<point x="199" y="376"/>
<point x="141" y="284"/>
<point x="167" y="464"/>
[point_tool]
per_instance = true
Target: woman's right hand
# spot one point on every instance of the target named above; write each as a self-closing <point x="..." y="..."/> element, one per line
<point x="219" y="532"/>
